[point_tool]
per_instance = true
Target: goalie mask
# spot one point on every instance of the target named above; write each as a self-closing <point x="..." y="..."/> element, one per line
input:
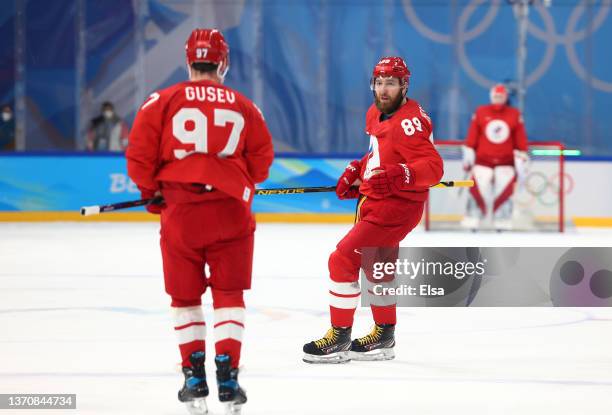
<point x="208" y="46"/>
<point x="498" y="95"/>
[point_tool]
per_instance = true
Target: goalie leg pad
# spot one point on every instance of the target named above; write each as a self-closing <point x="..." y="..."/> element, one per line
<point x="505" y="178"/>
<point x="483" y="185"/>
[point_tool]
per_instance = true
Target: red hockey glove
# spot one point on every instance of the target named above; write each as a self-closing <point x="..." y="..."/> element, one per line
<point x="391" y="179"/>
<point x="154" y="208"/>
<point x="348" y="184"/>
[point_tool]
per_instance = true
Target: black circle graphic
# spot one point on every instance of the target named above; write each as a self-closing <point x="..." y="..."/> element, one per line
<point x="601" y="283"/>
<point x="572" y="272"/>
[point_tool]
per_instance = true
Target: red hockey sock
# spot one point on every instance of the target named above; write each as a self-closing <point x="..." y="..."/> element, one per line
<point x="341" y="317"/>
<point x="384" y="314"/>
<point x="344" y="288"/>
<point x="188" y="348"/>
<point x="190" y="329"/>
<point x="229" y="323"/>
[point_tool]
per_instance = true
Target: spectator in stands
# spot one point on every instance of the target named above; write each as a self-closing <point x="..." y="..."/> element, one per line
<point x="107" y="132"/>
<point x="7" y="129"/>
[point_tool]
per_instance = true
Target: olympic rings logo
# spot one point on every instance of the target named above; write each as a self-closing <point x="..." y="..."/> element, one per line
<point x="544" y="189"/>
<point x="548" y="35"/>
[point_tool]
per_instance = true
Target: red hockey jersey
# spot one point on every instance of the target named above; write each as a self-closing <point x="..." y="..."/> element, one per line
<point x="200" y="132"/>
<point x="495" y="133"/>
<point x="406" y="137"/>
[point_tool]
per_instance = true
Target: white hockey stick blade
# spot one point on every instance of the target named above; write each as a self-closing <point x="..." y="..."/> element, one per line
<point x="90" y="210"/>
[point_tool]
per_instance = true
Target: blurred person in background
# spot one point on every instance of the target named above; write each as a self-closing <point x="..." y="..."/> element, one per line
<point x="107" y="132"/>
<point x="7" y="129"/>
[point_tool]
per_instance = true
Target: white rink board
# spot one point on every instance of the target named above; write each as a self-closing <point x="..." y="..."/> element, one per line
<point x="82" y="310"/>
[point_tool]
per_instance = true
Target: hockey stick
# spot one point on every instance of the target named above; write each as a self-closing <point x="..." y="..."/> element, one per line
<point x="94" y="210"/>
<point x="301" y="190"/>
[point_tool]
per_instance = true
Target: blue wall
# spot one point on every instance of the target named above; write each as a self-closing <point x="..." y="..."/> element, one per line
<point x="307" y="63"/>
<point x="67" y="182"/>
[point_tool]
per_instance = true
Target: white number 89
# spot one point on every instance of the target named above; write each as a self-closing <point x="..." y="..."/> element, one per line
<point x="409" y="126"/>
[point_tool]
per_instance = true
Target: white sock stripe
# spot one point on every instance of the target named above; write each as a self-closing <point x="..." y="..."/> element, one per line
<point x="191" y="333"/>
<point x="228" y="331"/>
<point x="343" y="302"/>
<point x="345" y="288"/>
<point x="186" y="315"/>
<point x="229" y="313"/>
<point x="380" y="300"/>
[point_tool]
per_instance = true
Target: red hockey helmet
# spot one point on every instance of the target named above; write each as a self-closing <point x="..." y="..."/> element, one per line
<point x="498" y="94"/>
<point x="209" y="46"/>
<point x="391" y="66"/>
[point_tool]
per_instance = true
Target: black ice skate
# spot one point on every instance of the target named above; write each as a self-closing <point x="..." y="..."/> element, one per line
<point x="332" y="348"/>
<point x="230" y="391"/>
<point x="195" y="389"/>
<point x="378" y="345"/>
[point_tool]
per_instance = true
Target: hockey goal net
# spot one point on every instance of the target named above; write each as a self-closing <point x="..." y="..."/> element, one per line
<point x="538" y="202"/>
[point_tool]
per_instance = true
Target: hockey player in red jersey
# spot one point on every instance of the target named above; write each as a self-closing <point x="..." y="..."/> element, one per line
<point x="203" y="146"/>
<point x="393" y="180"/>
<point x="496" y="153"/>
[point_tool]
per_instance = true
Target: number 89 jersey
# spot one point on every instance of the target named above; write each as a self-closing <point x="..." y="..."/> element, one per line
<point x="406" y="137"/>
<point x="200" y="132"/>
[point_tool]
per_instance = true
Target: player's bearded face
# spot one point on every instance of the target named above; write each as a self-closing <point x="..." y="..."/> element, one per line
<point x="388" y="94"/>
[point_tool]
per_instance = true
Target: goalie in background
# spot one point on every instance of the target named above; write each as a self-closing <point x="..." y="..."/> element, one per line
<point x="495" y="154"/>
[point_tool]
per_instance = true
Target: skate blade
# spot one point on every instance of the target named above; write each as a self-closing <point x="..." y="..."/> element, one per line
<point x="373" y="355"/>
<point x="197" y="406"/>
<point x="232" y="408"/>
<point x="334" y="358"/>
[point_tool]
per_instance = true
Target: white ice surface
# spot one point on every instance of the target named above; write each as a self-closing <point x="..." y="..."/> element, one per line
<point x="83" y="310"/>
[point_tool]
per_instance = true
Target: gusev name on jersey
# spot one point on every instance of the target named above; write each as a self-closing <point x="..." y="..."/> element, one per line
<point x="406" y="138"/>
<point x="495" y="132"/>
<point x="200" y="132"/>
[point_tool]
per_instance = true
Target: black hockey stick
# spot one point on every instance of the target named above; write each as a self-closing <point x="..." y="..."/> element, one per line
<point x="300" y="190"/>
<point x="94" y="210"/>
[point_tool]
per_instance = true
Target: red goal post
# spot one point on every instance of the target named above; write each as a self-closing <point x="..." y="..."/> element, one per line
<point x="539" y="202"/>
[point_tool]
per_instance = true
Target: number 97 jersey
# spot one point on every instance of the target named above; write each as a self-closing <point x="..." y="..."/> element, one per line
<point x="404" y="138"/>
<point x="200" y="132"/>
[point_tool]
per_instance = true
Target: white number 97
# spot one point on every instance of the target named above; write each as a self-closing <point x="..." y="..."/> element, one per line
<point x="198" y="135"/>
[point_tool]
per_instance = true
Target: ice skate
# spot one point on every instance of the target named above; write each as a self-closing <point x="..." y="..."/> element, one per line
<point x="502" y="220"/>
<point x="470" y="223"/>
<point x="195" y="389"/>
<point x="230" y="392"/>
<point x="378" y="345"/>
<point x="332" y="348"/>
<point x="471" y="219"/>
<point x="503" y="224"/>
